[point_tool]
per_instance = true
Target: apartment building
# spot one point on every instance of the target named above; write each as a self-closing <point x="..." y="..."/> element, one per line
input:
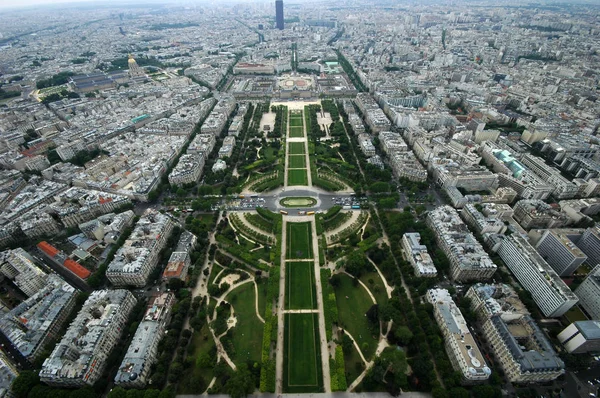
<point x="188" y="169"/>
<point x="33" y="323"/>
<point x="417" y="255"/>
<point x="464" y="354"/>
<point x="518" y="344"/>
<point x="141" y="354"/>
<point x="80" y="357"/>
<point x="138" y="257"/>
<point x="18" y="266"/>
<point x="468" y="259"/>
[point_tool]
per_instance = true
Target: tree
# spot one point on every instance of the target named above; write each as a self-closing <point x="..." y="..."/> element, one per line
<point x="347" y="344"/>
<point x="24" y="382"/>
<point x="151" y="393"/>
<point x="356" y="263"/>
<point x="86" y="392"/>
<point x="175" y="284"/>
<point x="403" y="335"/>
<point x="459" y="392"/>
<point x="387" y="203"/>
<point x="241" y="383"/>
<point x="379" y="187"/>
<point x="486" y="391"/>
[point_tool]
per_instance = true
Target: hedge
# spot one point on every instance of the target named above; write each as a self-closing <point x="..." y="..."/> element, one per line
<point x="329" y="303"/>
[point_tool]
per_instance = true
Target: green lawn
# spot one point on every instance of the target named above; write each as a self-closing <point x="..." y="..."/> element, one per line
<point x="300" y="286"/>
<point x="375" y="285"/>
<point x="298" y="201"/>
<point x="299" y="240"/>
<point x="296" y="132"/>
<point x="297" y="162"/>
<point x="353" y="303"/>
<point x="248" y="332"/>
<point x="302" y="358"/>
<point x="575" y="314"/>
<point x="296" y="120"/>
<point x="296" y="148"/>
<point x="297" y="177"/>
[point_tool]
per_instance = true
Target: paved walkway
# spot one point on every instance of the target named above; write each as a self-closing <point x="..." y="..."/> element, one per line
<point x="363" y="285"/>
<point x="320" y="307"/>
<point x="300" y="311"/>
<point x="407" y="394"/>
<point x="280" y="317"/>
<point x="388" y="289"/>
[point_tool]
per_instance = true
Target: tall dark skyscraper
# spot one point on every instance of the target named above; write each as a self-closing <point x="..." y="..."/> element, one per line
<point x="279" y="14"/>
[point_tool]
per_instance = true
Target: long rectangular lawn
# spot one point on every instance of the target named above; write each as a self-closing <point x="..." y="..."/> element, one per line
<point x="300" y="286"/>
<point x="297" y="162"/>
<point x="297" y="177"/>
<point x="296" y="132"/>
<point x="296" y="148"/>
<point x="299" y="240"/>
<point x="302" y="359"/>
<point x="296" y="120"/>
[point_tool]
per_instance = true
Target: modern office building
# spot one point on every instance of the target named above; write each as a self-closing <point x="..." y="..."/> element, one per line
<point x="589" y="293"/>
<point x="37" y="320"/>
<point x="468" y="260"/>
<point x="580" y="337"/>
<point x="519" y="345"/>
<point x="141" y="354"/>
<point x="79" y="359"/>
<point x="560" y="252"/>
<point x="417" y="255"/>
<point x="279" y="14"/>
<point x="589" y="243"/>
<point x="459" y="342"/>
<point x="550" y="293"/>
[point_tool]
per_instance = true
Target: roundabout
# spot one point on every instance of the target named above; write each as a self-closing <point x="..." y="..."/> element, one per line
<point x="301" y="201"/>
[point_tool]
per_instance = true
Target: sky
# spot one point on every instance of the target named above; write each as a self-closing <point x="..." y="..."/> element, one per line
<point x="29" y="3"/>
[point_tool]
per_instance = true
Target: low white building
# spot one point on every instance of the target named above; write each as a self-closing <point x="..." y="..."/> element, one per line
<point x="417" y="255"/>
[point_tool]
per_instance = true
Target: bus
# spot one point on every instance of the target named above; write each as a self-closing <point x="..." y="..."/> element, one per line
<point x="283" y="212"/>
<point x="310" y="213"/>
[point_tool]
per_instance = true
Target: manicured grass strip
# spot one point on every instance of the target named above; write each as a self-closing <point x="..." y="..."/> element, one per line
<point x="297" y="162"/>
<point x="297" y="177"/>
<point x="248" y="332"/>
<point x="296" y="148"/>
<point x="353" y="302"/>
<point x="299" y="240"/>
<point x="300" y="286"/>
<point x="296" y="120"/>
<point x="296" y="132"/>
<point x="302" y="358"/>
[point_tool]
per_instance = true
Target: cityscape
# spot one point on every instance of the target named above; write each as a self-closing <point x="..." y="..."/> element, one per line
<point x="285" y="197"/>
